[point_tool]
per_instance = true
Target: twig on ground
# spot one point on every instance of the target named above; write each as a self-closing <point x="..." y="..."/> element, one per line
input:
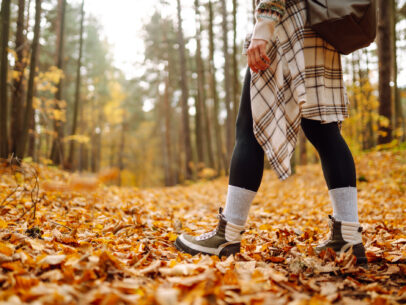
<point x="58" y="224"/>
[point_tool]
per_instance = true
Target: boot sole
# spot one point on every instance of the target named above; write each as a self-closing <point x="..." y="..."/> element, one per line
<point x="361" y="261"/>
<point x="227" y="251"/>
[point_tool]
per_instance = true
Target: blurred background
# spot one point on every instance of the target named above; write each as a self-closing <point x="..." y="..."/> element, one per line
<point x="153" y="87"/>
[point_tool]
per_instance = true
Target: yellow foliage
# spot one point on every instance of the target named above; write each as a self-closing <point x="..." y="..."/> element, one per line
<point x="58" y="115"/>
<point x="363" y="122"/>
<point x="113" y="109"/>
<point x="77" y="138"/>
<point x="36" y="103"/>
<point x="207" y="173"/>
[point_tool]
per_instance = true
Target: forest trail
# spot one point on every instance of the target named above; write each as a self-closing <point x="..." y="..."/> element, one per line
<point x="114" y="245"/>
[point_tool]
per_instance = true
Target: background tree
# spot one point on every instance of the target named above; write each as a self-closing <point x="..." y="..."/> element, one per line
<point x="31" y="85"/>
<point x="57" y="152"/>
<point x="5" y="30"/>
<point x="385" y="55"/>
<point x="184" y="99"/>
<point x="77" y="89"/>
<point x="18" y="88"/>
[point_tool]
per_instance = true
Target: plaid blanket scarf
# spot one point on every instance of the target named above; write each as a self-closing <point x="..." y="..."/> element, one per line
<point x="304" y="79"/>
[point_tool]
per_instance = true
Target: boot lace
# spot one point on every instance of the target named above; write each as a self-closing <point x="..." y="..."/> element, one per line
<point x="210" y="234"/>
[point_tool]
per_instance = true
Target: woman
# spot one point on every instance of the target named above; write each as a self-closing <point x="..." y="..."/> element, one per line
<point x="293" y="78"/>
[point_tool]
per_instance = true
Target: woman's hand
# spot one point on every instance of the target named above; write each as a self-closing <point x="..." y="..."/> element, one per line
<point x="257" y="58"/>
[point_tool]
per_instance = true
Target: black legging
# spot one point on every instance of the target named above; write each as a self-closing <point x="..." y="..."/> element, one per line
<point x="247" y="162"/>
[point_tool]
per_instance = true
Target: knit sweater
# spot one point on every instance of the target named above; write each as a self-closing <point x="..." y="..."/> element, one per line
<point x="267" y="14"/>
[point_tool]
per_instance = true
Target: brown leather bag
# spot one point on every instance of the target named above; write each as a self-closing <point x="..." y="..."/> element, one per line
<point x="348" y="25"/>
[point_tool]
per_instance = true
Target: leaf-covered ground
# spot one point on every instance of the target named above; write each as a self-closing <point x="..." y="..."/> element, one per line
<point x="69" y="242"/>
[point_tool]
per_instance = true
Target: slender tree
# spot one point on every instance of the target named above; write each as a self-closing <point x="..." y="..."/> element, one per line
<point x="77" y="88"/>
<point x="167" y="111"/>
<point x="385" y="57"/>
<point x="228" y="101"/>
<point x="18" y="89"/>
<point x="124" y="128"/>
<point x="203" y="135"/>
<point x="236" y="86"/>
<point x="57" y="152"/>
<point x="202" y="76"/>
<point x="399" y="118"/>
<point x="184" y="98"/>
<point x="220" y="155"/>
<point x="30" y="89"/>
<point x="302" y="148"/>
<point x="5" y="29"/>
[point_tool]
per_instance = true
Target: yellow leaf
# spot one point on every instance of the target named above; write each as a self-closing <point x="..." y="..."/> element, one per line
<point x="172" y="236"/>
<point x="3" y="224"/>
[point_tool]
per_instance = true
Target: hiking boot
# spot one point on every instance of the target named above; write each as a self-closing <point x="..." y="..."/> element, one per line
<point x="225" y="240"/>
<point x="343" y="237"/>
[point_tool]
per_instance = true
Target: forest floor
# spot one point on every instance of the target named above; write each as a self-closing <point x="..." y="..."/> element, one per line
<point x="67" y="240"/>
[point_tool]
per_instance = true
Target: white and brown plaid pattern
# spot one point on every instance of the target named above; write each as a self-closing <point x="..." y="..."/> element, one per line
<point x="304" y="79"/>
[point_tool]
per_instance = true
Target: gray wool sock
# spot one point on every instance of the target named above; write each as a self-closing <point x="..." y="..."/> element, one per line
<point x="344" y="200"/>
<point x="238" y="204"/>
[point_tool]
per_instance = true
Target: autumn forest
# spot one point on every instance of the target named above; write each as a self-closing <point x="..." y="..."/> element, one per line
<point x="104" y="162"/>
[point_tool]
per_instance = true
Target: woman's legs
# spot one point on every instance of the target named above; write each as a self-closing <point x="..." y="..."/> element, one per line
<point x="247" y="162"/>
<point x="246" y="170"/>
<point x="338" y="167"/>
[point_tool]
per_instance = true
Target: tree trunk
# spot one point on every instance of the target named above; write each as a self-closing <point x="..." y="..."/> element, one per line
<point x="236" y="78"/>
<point x="205" y="121"/>
<point x="399" y="119"/>
<point x="226" y="54"/>
<point x="17" y="104"/>
<point x="202" y="138"/>
<point x="77" y="89"/>
<point x="83" y="160"/>
<point x="385" y="55"/>
<point x="370" y="112"/>
<point x="184" y="98"/>
<point x="32" y="138"/>
<point x="57" y="153"/>
<point x="30" y="89"/>
<point x="220" y="156"/>
<point x="122" y="147"/>
<point x="169" y="181"/>
<point x="254" y="6"/>
<point x="5" y="29"/>
<point x="302" y="148"/>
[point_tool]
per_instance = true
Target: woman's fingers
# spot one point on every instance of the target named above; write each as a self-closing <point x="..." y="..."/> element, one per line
<point x="250" y="61"/>
<point x="257" y="58"/>
<point x="264" y="56"/>
<point x="261" y="64"/>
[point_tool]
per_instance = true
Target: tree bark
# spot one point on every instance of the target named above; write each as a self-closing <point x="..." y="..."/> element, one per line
<point x="77" y="89"/>
<point x="399" y="118"/>
<point x="199" y="136"/>
<point x="385" y="66"/>
<point x="228" y="101"/>
<point x="254" y="6"/>
<point x="5" y="30"/>
<point x="30" y="89"/>
<point x="32" y="139"/>
<point x="168" y="141"/>
<point x="184" y="99"/>
<point x="124" y="127"/>
<point x="236" y="86"/>
<point x="57" y="152"/>
<point x="302" y="148"/>
<point x="17" y="105"/>
<point x="220" y="156"/>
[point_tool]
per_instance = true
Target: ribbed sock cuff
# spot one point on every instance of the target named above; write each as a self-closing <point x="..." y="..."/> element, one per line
<point x="344" y="201"/>
<point x="238" y="204"/>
